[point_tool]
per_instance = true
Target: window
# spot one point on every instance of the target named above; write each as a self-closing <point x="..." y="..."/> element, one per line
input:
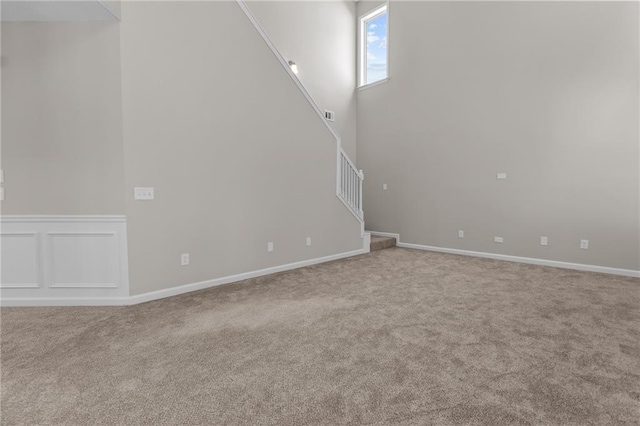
<point x="374" y="55"/>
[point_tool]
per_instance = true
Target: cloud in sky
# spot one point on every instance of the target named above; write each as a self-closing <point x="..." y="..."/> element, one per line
<point x="376" y="47"/>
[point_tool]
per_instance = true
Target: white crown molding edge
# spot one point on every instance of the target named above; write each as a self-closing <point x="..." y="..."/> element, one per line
<point x="509" y="258"/>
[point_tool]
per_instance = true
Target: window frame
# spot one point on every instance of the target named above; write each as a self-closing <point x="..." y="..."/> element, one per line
<point x="362" y="44"/>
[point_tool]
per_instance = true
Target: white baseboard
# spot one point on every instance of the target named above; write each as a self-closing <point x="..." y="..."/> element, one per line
<point x="15" y="302"/>
<point x="173" y="291"/>
<point x="528" y="260"/>
<point x="385" y="234"/>
<point x="366" y="242"/>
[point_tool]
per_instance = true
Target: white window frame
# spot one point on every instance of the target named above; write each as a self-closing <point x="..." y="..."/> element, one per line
<point x="362" y="45"/>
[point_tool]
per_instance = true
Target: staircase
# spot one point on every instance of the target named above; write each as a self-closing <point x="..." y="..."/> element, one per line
<point x="381" y="243"/>
<point x="348" y="178"/>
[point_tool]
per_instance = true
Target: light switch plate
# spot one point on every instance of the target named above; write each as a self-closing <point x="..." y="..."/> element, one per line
<point x="499" y="240"/>
<point x="143" y="194"/>
<point x="270" y="246"/>
<point x="544" y="241"/>
<point x="501" y="176"/>
<point x="584" y="244"/>
<point x="384" y="186"/>
<point x="460" y="234"/>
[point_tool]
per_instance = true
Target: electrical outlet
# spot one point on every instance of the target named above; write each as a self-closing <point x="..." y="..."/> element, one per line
<point x="384" y="186"/>
<point x="499" y="240"/>
<point x="584" y="244"/>
<point x="270" y="246"/>
<point x="143" y="194"/>
<point x="308" y="241"/>
<point x="501" y="176"/>
<point x="184" y="259"/>
<point x="460" y="234"/>
<point x="544" y="241"/>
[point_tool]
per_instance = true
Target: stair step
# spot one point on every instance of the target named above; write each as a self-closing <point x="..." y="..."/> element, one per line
<point x="380" y="243"/>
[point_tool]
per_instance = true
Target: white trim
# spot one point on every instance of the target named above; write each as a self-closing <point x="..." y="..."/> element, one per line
<point x="187" y="288"/>
<point x="51" y="262"/>
<point x="17" y="302"/>
<point x="362" y="31"/>
<point x="285" y="64"/>
<point x="174" y="291"/>
<point x="385" y="234"/>
<point x="351" y="210"/>
<point x="359" y="215"/>
<point x="36" y="257"/>
<point x="374" y="84"/>
<point x="346" y="157"/>
<point x="508" y="258"/>
<point x="110" y="282"/>
<point x="366" y="241"/>
<point x="17" y="218"/>
<point x="81" y="234"/>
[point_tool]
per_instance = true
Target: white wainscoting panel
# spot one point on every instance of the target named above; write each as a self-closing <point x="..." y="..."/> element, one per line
<point x="83" y="259"/>
<point x="20" y="257"/>
<point x="63" y="257"/>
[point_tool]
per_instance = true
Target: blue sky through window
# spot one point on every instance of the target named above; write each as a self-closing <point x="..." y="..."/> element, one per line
<point x="376" y="49"/>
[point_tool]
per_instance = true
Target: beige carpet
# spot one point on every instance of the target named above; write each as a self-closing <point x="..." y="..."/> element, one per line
<point x="394" y="337"/>
<point x="381" y="243"/>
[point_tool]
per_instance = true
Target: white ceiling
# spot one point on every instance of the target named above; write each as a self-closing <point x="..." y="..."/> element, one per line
<point x="56" y="11"/>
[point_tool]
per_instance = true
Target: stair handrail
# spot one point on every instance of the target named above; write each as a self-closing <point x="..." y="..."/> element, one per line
<point x="285" y="64"/>
<point x="340" y="152"/>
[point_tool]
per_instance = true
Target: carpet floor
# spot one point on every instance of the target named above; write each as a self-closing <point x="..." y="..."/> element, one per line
<point x="393" y="337"/>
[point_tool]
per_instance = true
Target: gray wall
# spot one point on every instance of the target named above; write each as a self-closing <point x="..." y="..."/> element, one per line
<point x="320" y="36"/>
<point x="235" y="153"/>
<point x="62" y="118"/>
<point x="545" y="92"/>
